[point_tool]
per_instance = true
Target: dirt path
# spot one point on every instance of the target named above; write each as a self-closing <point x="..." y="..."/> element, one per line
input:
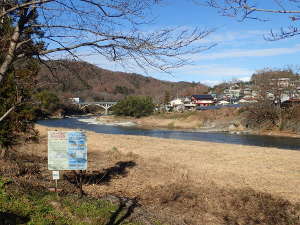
<point x="160" y="161"/>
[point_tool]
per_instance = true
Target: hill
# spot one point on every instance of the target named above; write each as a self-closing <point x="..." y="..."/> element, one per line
<point x="91" y="83"/>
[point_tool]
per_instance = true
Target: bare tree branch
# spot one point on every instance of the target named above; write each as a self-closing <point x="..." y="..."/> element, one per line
<point x="249" y="9"/>
<point x="107" y="27"/>
<point x="21" y="6"/>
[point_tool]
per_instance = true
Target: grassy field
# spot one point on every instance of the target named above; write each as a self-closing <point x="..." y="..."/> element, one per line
<point x="39" y="206"/>
<point x="174" y="182"/>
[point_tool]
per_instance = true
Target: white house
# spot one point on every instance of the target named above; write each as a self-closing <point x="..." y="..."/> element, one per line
<point x="176" y="102"/>
<point x="223" y="102"/>
<point x="247" y="100"/>
<point x="74" y="100"/>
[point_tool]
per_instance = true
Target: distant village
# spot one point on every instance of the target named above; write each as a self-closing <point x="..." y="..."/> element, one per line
<point x="280" y="91"/>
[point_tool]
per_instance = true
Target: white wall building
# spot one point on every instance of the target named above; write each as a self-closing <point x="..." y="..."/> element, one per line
<point x="74" y="100"/>
<point x="176" y="102"/>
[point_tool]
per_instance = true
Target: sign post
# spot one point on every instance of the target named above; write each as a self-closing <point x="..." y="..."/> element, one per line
<point x="55" y="175"/>
<point x="67" y="150"/>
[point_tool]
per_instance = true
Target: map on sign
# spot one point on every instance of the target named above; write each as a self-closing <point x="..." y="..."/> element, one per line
<point x="67" y="150"/>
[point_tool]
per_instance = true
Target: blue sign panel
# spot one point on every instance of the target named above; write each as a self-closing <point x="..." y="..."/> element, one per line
<point x="77" y="150"/>
<point x="67" y="150"/>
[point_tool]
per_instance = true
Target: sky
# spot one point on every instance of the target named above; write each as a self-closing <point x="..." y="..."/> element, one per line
<point x="241" y="49"/>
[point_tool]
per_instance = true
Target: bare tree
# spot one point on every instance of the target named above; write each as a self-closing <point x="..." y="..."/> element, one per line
<point x="251" y="9"/>
<point x="110" y="28"/>
<point x="275" y="84"/>
<point x="113" y="29"/>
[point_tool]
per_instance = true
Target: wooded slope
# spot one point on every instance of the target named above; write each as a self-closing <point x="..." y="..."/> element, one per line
<point x="91" y="83"/>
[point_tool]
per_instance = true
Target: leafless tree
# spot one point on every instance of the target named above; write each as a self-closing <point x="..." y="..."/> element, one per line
<point x="114" y="29"/>
<point x="110" y="28"/>
<point x="251" y="9"/>
<point x="273" y="84"/>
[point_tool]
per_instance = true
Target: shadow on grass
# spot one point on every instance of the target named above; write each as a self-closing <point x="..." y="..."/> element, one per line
<point x="99" y="177"/>
<point x="12" y="219"/>
<point x="126" y="206"/>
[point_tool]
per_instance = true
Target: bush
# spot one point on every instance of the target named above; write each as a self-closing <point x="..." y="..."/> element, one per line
<point x="47" y="103"/>
<point x="291" y="119"/>
<point x="135" y="106"/>
<point x="264" y="115"/>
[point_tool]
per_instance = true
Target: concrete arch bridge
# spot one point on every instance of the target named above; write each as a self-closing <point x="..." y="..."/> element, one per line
<point x="104" y="105"/>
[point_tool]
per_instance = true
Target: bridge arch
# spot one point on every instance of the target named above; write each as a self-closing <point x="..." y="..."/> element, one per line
<point x="105" y="105"/>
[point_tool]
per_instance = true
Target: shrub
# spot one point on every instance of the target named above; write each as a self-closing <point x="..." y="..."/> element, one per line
<point x="291" y="118"/>
<point x="263" y="115"/>
<point x="135" y="106"/>
<point x="48" y="103"/>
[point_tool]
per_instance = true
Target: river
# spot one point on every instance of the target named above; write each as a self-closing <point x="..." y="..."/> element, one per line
<point x="90" y="124"/>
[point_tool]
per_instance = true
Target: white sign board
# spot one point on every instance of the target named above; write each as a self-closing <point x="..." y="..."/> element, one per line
<point x="67" y="150"/>
<point x="55" y="175"/>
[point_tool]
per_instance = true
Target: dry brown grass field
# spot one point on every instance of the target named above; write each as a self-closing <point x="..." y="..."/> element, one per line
<point x="193" y="182"/>
<point x="181" y="182"/>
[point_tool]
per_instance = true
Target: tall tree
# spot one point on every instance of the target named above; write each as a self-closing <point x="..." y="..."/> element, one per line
<point x="16" y="89"/>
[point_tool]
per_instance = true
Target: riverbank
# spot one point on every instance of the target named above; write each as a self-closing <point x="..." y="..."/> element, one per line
<point x="157" y="170"/>
<point x="226" y="120"/>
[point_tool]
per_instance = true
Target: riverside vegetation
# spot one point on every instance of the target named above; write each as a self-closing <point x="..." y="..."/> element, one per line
<point x="255" y="118"/>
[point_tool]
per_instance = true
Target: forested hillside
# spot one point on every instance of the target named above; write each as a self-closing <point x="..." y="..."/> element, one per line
<point x="91" y="83"/>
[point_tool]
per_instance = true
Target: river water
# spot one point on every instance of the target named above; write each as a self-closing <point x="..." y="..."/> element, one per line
<point x="90" y="124"/>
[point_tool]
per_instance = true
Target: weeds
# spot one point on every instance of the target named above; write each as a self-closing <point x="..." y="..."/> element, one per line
<point x="45" y="208"/>
<point x="210" y="204"/>
<point x="171" y="125"/>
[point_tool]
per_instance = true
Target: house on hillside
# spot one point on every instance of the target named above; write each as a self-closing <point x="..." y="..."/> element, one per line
<point x="247" y="99"/>
<point x="188" y="104"/>
<point x="235" y="93"/>
<point x="203" y="100"/>
<point x="177" y="104"/>
<point x="74" y="100"/>
<point x="223" y="102"/>
<point x="247" y="91"/>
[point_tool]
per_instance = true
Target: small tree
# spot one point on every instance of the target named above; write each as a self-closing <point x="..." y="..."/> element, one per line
<point x="47" y="103"/>
<point x="135" y="106"/>
<point x="167" y="97"/>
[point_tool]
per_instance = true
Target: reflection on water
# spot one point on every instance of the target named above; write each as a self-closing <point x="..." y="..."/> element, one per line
<point x="256" y="140"/>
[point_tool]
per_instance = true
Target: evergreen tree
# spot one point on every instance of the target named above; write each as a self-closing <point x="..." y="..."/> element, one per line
<point x="135" y="106"/>
<point x="16" y="91"/>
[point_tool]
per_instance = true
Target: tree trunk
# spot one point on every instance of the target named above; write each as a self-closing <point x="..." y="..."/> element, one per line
<point x="10" y="54"/>
<point x="7" y="113"/>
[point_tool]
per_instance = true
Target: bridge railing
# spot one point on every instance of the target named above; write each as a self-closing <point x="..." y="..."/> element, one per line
<point x="96" y="103"/>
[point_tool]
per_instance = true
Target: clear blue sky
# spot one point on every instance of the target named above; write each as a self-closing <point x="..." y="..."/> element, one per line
<point x="241" y="49"/>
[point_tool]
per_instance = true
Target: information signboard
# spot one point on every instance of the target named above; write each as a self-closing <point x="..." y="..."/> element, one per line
<point x="67" y="150"/>
<point x="55" y="175"/>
